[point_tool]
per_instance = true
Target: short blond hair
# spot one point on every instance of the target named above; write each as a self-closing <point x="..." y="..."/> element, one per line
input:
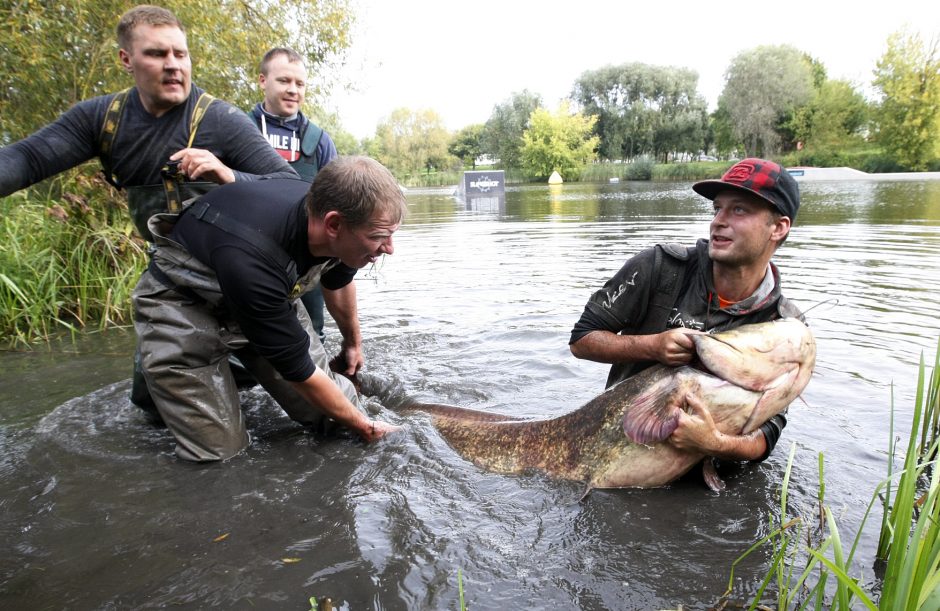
<point x="144" y="14"/>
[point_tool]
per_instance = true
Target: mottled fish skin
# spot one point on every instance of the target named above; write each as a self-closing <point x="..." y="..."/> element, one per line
<point x="617" y="439"/>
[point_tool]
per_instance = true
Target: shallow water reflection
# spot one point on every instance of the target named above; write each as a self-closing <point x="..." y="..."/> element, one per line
<point x="474" y="309"/>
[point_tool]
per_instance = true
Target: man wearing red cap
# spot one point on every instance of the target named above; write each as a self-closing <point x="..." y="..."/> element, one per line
<point x="647" y="311"/>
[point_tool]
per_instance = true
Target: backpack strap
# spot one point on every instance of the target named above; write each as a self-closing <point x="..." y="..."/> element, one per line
<point x="112" y="120"/>
<point x="310" y="140"/>
<point x="787" y="309"/>
<point x="669" y="267"/>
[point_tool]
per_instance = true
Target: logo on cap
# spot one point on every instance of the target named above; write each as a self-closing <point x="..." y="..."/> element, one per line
<point x="753" y="176"/>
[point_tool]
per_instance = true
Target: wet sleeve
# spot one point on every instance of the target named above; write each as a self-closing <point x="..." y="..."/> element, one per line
<point x="772" y="430"/>
<point x="241" y="146"/>
<point x="620" y="305"/>
<point x="66" y="142"/>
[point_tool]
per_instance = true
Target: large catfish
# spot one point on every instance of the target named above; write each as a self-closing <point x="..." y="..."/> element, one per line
<point x="617" y="440"/>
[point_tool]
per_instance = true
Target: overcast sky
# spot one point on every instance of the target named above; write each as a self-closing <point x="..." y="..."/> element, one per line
<point x="462" y="58"/>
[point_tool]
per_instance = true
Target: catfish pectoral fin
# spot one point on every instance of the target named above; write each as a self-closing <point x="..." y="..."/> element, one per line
<point x="646" y="424"/>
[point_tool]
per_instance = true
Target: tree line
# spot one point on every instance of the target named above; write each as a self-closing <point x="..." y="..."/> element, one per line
<point x="777" y="100"/>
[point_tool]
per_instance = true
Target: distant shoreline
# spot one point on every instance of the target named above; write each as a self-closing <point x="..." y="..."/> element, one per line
<point x="808" y="174"/>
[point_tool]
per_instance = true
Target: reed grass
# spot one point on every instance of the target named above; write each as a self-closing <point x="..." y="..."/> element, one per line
<point x="690" y="171"/>
<point x="640" y="168"/>
<point x="463" y="605"/>
<point x="909" y="541"/>
<point x="65" y="264"/>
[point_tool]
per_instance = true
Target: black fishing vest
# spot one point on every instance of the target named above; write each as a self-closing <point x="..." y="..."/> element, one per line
<point x="670" y="267"/>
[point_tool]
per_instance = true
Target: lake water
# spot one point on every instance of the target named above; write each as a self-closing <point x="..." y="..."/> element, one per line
<point x="474" y="309"/>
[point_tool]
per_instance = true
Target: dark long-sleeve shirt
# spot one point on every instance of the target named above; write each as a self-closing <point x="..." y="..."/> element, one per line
<point x="256" y="291"/>
<point x="142" y="145"/>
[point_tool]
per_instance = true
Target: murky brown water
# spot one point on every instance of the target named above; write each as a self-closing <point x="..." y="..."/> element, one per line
<point x="473" y="309"/>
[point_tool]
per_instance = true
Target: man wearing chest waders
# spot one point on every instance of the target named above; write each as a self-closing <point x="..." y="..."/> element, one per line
<point x="226" y="278"/>
<point x="162" y="141"/>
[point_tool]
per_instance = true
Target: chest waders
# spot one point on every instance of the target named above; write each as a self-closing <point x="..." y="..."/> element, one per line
<point x="670" y="266"/>
<point x="143" y="201"/>
<point x="186" y="336"/>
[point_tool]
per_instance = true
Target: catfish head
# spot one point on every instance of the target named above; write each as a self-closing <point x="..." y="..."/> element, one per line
<point x="774" y="358"/>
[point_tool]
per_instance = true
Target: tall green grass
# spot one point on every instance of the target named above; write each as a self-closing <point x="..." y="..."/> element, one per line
<point x="68" y="261"/>
<point x="644" y="168"/>
<point x="694" y="170"/>
<point x="640" y="168"/>
<point x="909" y="541"/>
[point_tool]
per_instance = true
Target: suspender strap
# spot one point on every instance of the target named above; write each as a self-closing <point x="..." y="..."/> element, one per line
<point x="202" y="104"/>
<point x="309" y="140"/>
<point x="669" y="275"/>
<point x="171" y="189"/>
<point x="109" y="129"/>
<point x="205" y="213"/>
<point x="112" y="120"/>
<point x="171" y="178"/>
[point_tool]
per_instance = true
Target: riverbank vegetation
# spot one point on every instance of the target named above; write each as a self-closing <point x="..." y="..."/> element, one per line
<point x="811" y="564"/>
<point x="68" y="260"/>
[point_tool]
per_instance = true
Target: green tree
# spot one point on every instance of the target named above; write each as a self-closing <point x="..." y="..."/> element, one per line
<point x="681" y="130"/>
<point x="502" y="133"/>
<point x="58" y="53"/>
<point x="794" y="126"/>
<point x="763" y="87"/>
<point x="834" y="117"/>
<point x="722" y="132"/>
<point x="643" y="109"/>
<point x="558" y="142"/>
<point x="908" y="77"/>
<point x="409" y="142"/>
<point x="838" y="116"/>
<point x="467" y="145"/>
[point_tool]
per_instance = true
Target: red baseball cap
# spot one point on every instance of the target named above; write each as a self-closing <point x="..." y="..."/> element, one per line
<point x="767" y="180"/>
